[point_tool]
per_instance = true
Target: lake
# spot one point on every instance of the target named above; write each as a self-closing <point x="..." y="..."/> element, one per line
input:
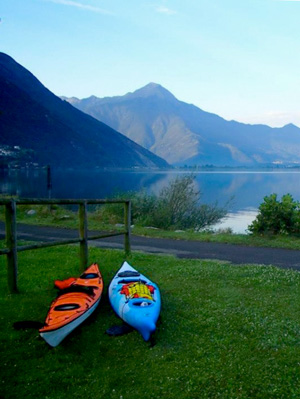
<point x="245" y="189"/>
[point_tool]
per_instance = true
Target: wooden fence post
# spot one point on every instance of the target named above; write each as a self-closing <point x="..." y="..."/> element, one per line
<point x="49" y="182"/>
<point x="127" y="223"/>
<point x="83" y="234"/>
<point x="11" y="242"/>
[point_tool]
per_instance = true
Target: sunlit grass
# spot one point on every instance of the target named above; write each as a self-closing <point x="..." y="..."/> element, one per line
<point x="225" y="332"/>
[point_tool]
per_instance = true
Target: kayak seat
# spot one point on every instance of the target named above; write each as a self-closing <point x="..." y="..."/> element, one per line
<point x="77" y="288"/>
<point x="67" y="306"/>
<point x="142" y="304"/>
<point x="132" y="280"/>
<point x="87" y="276"/>
<point x="128" y="273"/>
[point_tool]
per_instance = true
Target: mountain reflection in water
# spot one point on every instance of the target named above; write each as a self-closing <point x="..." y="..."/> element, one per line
<point x="244" y="190"/>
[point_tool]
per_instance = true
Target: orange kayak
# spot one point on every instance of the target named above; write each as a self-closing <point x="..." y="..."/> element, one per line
<point x="76" y="301"/>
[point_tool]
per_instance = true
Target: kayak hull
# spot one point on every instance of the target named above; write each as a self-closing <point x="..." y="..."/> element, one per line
<point x="54" y="337"/>
<point x="74" y="304"/>
<point x="135" y="299"/>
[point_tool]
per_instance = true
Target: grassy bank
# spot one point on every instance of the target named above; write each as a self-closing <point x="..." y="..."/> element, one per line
<point x="64" y="218"/>
<point x="225" y="332"/>
<point x="284" y="241"/>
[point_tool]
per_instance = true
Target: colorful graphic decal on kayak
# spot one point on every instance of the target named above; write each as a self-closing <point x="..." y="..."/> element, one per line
<point x="138" y="289"/>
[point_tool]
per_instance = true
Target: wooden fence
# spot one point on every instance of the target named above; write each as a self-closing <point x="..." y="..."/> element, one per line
<point x="12" y="248"/>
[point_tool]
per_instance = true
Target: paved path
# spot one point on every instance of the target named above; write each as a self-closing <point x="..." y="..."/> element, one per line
<point x="236" y="254"/>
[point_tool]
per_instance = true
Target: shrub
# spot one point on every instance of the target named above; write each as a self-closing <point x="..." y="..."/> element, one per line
<point x="142" y="208"/>
<point x="175" y="207"/>
<point x="277" y="217"/>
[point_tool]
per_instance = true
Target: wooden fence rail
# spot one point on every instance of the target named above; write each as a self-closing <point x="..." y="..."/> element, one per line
<point x="12" y="248"/>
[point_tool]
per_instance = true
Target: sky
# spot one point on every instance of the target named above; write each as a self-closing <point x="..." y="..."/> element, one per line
<point x="239" y="59"/>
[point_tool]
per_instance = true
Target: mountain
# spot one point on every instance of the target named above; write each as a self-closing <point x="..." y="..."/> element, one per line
<point x="38" y="127"/>
<point x="182" y="134"/>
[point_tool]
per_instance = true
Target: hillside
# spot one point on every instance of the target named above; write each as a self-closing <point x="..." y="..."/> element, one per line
<point x="182" y="134"/>
<point x="38" y="127"/>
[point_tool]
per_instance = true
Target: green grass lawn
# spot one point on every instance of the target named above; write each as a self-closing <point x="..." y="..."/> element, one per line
<point x="225" y="332"/>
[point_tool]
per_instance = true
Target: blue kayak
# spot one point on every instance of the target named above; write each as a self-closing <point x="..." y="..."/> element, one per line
<point x="135" y="299"/>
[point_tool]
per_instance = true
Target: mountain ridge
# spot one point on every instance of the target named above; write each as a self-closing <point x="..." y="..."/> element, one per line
<point x="182" y="133"/>
<point x="51" y="131"/>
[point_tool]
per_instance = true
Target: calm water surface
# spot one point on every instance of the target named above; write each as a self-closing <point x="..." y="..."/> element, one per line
<point x="244" y="190"/>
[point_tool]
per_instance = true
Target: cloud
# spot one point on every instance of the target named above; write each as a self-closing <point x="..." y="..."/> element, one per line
<point x="72" y="3"/>
<point x="166" y="10"/>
